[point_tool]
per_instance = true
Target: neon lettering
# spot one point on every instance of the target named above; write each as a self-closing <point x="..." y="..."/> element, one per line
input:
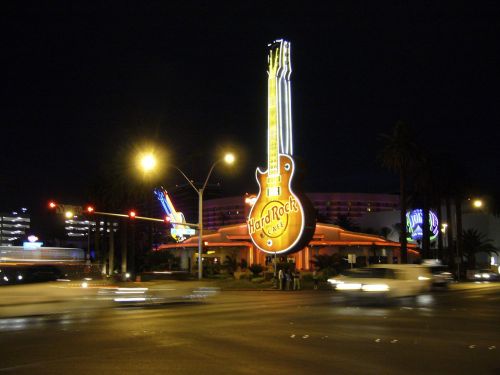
<point x="273" y="214"/>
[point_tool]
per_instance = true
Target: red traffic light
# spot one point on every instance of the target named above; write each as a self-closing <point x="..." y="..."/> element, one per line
<point x="168" y="219"/>
<point x="52" y="204"/>
<point x="90" y="209"/>
<point x="131" y="214"/>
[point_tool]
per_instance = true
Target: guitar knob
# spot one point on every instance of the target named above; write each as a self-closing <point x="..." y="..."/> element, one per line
<point x="287" y="166"/>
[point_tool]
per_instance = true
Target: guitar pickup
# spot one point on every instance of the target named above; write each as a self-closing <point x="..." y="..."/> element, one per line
<point x="273" y="191"/>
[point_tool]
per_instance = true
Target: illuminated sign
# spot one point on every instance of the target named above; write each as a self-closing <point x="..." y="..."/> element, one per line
<point x="32" y="238"/>
<point x="32" y="245"/>
<point x="182" y="232"/>
<point x="278" y="221"/>
<point x="178" y="231"/>
<point x="414" y="224"/>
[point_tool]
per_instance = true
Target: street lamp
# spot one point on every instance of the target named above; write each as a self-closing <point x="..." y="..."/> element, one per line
<point x="477" y="203"/>
<point x="444" y="227"/>
<point x="148" y="162"/>
<point x="229" y="158"/>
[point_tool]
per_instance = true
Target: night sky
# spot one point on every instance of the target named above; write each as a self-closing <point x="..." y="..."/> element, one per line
<point x="82" y="82"/>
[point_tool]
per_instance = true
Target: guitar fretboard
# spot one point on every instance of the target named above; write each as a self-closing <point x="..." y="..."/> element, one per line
<point x="273" y="134"/>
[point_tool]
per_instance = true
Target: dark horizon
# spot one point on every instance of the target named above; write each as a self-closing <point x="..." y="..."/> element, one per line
<point x="82" y="82"/>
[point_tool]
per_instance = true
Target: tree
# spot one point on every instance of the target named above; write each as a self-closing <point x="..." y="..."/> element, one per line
<point x="385" y="232"/>
<point x="345" y="222"/>
<point x="424" y="186"/>
<point x="256" y="269"/>
<point x="474" y="243"/>
<point x="398" y="154"/>
<point x="329" y="264"/>
<point x="230" y="264"/>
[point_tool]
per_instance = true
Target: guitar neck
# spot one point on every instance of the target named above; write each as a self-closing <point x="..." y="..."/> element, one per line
<point x="272" y="114"/>
<point x="279" y="112"/>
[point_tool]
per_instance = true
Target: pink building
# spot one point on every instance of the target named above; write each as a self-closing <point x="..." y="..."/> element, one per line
<point x="329" y="206"/>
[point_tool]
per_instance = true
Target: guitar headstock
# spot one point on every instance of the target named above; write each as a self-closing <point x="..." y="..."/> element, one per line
<point x="278" y="59"/>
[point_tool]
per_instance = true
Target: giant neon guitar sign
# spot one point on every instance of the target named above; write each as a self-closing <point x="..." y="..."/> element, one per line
<point x="279" y="222"/>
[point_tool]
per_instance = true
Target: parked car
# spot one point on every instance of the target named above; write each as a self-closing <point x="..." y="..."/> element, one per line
<point x="383" y="280"/>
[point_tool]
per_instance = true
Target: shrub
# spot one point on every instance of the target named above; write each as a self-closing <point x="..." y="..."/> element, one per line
<point x="256" y="269"/>
<point x="243" y="264"/>
<point x="257" y="280"/>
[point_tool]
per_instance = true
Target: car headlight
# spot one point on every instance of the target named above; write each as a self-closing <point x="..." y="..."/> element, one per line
<point x="477" y="275"/>
<point x="335" y="281"/>
<point x="485" y="275"/>
<point x="348" y="286"/>
<point x="375" y="288"/>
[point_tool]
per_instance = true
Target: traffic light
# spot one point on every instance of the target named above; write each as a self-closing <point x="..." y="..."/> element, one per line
<point x="132" y="214"/>
<point x="89" y="209"/>
<point x="52" y="204"/>
<point x="168" y="219"/>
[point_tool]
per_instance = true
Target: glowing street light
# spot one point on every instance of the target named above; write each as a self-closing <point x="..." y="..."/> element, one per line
<point x="229" y="158"/>
<point x="477" y="203"/>
<point x="148" y="162"/>
<point x="444" y="226"/>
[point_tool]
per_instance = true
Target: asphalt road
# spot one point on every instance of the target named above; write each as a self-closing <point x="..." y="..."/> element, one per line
<point x="249" y="332"/>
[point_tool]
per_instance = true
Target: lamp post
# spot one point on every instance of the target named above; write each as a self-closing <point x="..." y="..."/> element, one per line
<point x="228" y="159"/>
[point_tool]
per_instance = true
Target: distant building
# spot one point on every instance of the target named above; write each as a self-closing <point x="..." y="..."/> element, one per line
<point x="13" y="226"/>
<point x="77" y="230"/>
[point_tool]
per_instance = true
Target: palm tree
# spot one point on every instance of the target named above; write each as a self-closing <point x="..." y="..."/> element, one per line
<point x="117" y="188"/>
<point x="474" y="243"/>
<point x="329" y="264"/>
<point x="230" y="264"/>
<point x="385" y="232"/>
<point x="452" y="184"/>
<point x="427" y="196"/>
<point x="398" y="155"/>
<point x="345" y="222"/>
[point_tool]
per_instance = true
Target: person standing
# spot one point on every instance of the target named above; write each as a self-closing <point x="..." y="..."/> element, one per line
<point x="281" y="275"/>
<point x="288" y="280"/>
<point x="315" y="279"/>
<point x="296" y="280"/>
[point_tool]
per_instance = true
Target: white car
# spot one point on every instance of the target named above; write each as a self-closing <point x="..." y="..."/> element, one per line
<point x="383" y="280"/>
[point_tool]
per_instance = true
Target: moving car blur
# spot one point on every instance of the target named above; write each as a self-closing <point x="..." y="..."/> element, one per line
<point x="71" y="295"/>
<point x="482" y="275"/>
<point x="383" y="281"/>
<point x="22" y="274"/>
<point x="441" y="275"/>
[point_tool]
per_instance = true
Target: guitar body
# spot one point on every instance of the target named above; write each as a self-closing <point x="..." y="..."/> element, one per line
<point x="277" y="219"/>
